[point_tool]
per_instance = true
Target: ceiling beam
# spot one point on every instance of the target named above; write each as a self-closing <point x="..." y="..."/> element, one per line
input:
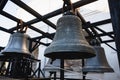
<point x="75" y="5"/>
<point x="111" y="46"/>
<point x="106" y="41"/>
<point x="33" y="12"/>
<point x="104" y="32"/>
<point x="101" y="22"/>
<point x="5" y="30"/>
<point x="50" y="35"/>
<point x="59" y="11"/>
<point x="43" y="33"/>
<point x="93" y="33"/>
<point x="2" y="4"/>
<point x="88" y="25"/>
<point x="17" y="20"/>
<point x="100" y="35"/>
<point x="9" y="16"/>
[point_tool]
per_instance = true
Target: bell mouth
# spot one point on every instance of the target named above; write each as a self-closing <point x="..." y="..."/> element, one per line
<point x="70" y="52"/>
<point x="17" y="54"/>
<point x="98" y="70"/>
<point x="69" y="55"/>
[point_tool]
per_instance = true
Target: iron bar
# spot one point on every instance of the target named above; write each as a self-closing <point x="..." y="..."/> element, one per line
<point x="102" y="34"/>
<point x="39" y="68"/>
<point x="62" y="69"/>
<point x="33" y="12"/>
<point x="2" y="4"/>
<point x="41" y="32"/>
<point x="40" y="42"/>
<point x="17" y="20"/>
<point x="99" y="35"/>
<point x="81" y="17"/>
<point x="87" y="30"/>
<point x="35" y="46"/>
<point x="101" y="22"/>
<point x="114" y="7"/>
<point x="57" y="12"/>
<point x="51" y="35"/>
<point x="31" y="27"/>
<point x="105" y="32"/>
<point x="92" y="24"/>
<point x="75" y="5"/>
<point x="111" y="46"/>
<point x="106" y="41"/>
<point x="5" y="30"/>
<point x="95" y="33"/>
<point x="84" y="23"/>
<point x="88" y="25"/>
<point x="7" y="73"/>
<point x="9" y="16"/>
<point x="1" y="67"/>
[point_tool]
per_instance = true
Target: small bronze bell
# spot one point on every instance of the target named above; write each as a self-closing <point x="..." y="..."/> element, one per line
<point x="17" y="45"/>
<point x="69" y="41"/>
<point x="98" y="63"/>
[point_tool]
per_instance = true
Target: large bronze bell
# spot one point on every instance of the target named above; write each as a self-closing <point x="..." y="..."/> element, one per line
<point x="17" y="45"/>
<point x="69" y="41"/>
<point x="98" y="63"/>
